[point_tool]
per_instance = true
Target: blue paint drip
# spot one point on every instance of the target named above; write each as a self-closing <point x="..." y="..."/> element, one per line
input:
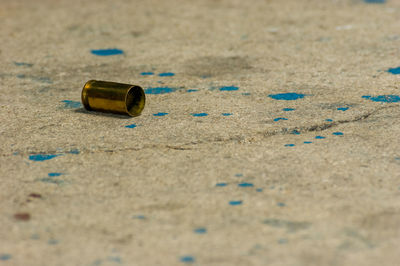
<point x="343" y="108"/>
<point x="199" y="114"/>
<point x="107" y="52"/>
<point x="281" y="204"/>
<point x="5" y="256"/>
<point x="166" y="74"/>
<point x="289" y="145"/>
<point x="295" y="132"/>
<point x="328" y="120"/>
<point x="307" y="142"/>
<point x="319" y="137"/>
<point x="42" y="157"/>
<point x="23" y="64"/>
<point x="394" y="71"/>
<point x="337" y="133"/>
<point x="159" y="90"/>
<point x="71" y="104"/>
<point x="221" y="184"/>
<point x="383" y="98"/>
<point x="375" y="1"/>
<point x="229" y="88"/>
<point x="259" y="190"/>
<point x="288" y="109"/>
<point x="160" y="114"/>
<point x="54" y="174"/>
<point x="245" y="185"/>
<point x="227" y="114"/>
<point x="200" y="230"/>
<point x="235" y="202"/>
<point x="147" y="73"/>
<point x="187" y="259"/>
<point x="192" y="90"/>
<point x="131" y="126"/>
<point x="280" y="118"/>
<point x="289" y="96"/>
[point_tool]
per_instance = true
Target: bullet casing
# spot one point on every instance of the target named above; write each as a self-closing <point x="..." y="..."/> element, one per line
<point x="113" y="97"/>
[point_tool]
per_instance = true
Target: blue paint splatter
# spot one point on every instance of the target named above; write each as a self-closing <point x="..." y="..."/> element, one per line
<point x="52" y="242"/>
<point x="158" y="90"/>
<point x="235" y="202"/>
<point x="42" y="157"/>
<point x="281" y="204"/>
<point x="289" y="96"/>
<point x="337" y="133"/>
<point x="343" y="108"/>
<point x="166" y="74"/>
<point x="139" y="217"/>
<point x="187" y="259"/>
<point x="246" y="93"/>
<point x="328" y="120"/>
<point x="23" y="64"/>
<point x="288" y="109"/>
<point x="259" y="189"/>
<point x="199" y="114"/>
<point x="147" y="73"/>
<point x="319" y="137"/>
<point x="280" y="118"/>
<point x="307" y="142"/>
<point x="200" y="230"/>
<point x="5" y="256"/>
<point x="229" y="88"/>
<point x="192" y="90"/>
<point x="115" y="259"/>
<point x="71" y="104"/>
<point x="160" y="114"/>
<point x="74" y="151"/>
<point x="375" y="1"/>
<point x="383" y="98"/>
<point x="107" y="52"/>
<point x="238" y="175"/>
<point x="54" y="174"/>
<point x="131" y="126"/>
<point x="295" y="132"/>
<point x="394" y="71"/>
<point x="221" y="184"/>
<point x="289" y="145"/>
<point x="245" y="185"/>
<point x="227" y="114"/>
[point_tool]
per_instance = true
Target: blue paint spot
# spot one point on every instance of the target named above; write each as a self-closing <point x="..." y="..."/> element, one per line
<point x="107" y="52"/>
<point x="383" y="98"/>
<point x="199" y="114"/>
<point x="226" y="114"/>
<point x="259" y="190"/>
<point x="147" y="73"/>
<point x="221" y="184"/>
<point x="235" y="202"/>
<point x="282" y="241"/>
<point x="187" y="259"/>
<point x="52" y="242"/>
<point x="289" y="96"/>
<point x="337" y="133"/>
<point x="375" y="1"/>
<point x="71" y="104"/>
<point x="51" y="180"/>
<point x="328" y="120"/>
<point x="281" y="204"/>
<point x="394" y="71"/>
<point x="280" y="118"/>
<point x="289" y="145"/>
<point x="23" y="64"/>
<point x="288" y="109"/>
<point x="115" y="259"/>
<point x="160" y="114"/>
<point x="74" y="151"/>
<point x="166" y="74"/>
<point x="246" y="93"/>
<point x="42" y="157"/>
<point x="238" y="175"/>
<point x="295" y="132"/>
<point x="158" y="90"/>
<point x="245" y="185"/>
<point x="5" y="256"/>
<point x="229" y="88"/>
<point x="343" y="108"/>
<point x="139" y="217"/>
<point x="131" y="126"/>
<point x="319" y="137"/>
<point x="54" y="174"/>
<point x="307" y="142"/>
<point x="200" y="230"/>
<point x="192" y="90"/>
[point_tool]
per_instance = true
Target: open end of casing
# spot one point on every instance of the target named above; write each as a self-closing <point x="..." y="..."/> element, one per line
<point x="135" y="101"/>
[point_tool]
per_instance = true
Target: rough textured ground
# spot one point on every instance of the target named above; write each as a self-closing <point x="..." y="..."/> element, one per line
<point x="228" y="176"/>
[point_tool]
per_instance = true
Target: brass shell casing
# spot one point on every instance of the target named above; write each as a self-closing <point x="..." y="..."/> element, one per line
<point x="112" y="97"/>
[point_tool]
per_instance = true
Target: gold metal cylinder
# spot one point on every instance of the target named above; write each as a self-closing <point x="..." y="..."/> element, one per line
<point x="112" y="97"/>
